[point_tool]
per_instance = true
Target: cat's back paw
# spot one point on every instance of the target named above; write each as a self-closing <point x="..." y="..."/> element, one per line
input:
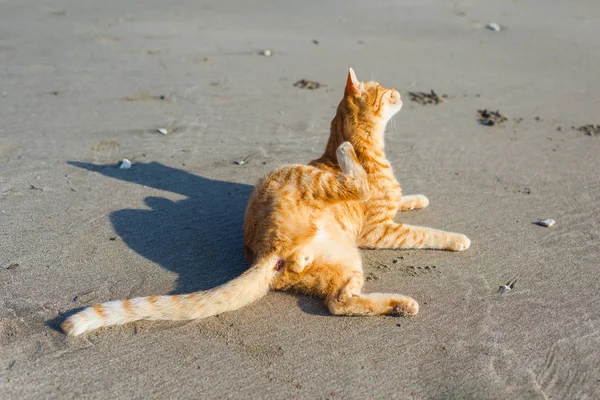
<point x="347" y="160"/>
<point x="345" y="148"/>
<point x="405" y="306"/>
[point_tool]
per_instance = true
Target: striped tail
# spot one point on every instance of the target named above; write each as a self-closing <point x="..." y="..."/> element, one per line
<point x="247" y="288"/>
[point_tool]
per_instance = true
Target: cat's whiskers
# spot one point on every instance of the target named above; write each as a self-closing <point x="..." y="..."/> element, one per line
<point x="392" y="124"/>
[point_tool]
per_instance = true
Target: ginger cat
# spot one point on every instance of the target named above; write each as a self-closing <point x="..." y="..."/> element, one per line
<point x="304" y="225"/>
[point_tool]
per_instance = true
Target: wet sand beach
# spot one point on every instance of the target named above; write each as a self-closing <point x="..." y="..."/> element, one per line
<point x="85" y="84"/>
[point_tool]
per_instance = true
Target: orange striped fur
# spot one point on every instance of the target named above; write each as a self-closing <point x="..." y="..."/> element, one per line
<point x="305" y="223"/>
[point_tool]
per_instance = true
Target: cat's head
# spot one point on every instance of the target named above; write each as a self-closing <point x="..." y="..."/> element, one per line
<point x="371" y="100"/>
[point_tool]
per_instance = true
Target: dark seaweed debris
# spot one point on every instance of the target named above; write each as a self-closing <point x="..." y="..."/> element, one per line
<point x="425" y="98"/>
<point x="590" y="130"/>
<point x="307" y="84"/>
<point x="490" y="118"/>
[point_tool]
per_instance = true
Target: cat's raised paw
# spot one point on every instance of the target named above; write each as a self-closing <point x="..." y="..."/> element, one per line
<point x="298" y="262"/>
<point x="345" y="148"/>
<point x="458" y="242"/>
<point x="347" y="159"/>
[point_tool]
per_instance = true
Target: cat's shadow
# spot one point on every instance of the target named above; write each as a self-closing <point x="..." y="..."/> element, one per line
<point x="200" y="238"/>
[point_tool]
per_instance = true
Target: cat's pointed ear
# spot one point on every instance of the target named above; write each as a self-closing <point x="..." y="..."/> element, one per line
<point x="352" y="84"/>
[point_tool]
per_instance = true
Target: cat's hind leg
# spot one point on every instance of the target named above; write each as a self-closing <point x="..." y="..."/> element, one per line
<point x="337" y="275"/>
<point x="348" y="161"/>
<point x="349" y="300"/>
<point x="413" y="202"/>
<point x="298" y="261"/>
<point x="353" y="175"/>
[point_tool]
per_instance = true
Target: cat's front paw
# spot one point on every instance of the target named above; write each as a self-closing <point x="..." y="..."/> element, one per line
<point x="418" y="201"/>
<point x="458" y="242"/>
<point x="405" y="306"/>
<point x="413" y="202"/>
<point x="421" y="201"/>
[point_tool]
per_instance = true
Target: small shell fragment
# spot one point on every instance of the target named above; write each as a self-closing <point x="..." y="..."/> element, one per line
<point x="493" y="27"/>
<point x="266" y="53"/>
<point x="504" y="288"/>
<point x="510" y="285"/>
<point x="244" y="160"/>
<point x="125" y="164"/>
<point x="163" y="131"/>
<point x="546" y="222"/>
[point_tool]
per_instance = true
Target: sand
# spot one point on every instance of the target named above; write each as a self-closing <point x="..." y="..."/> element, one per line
<point x="80" y="89"/>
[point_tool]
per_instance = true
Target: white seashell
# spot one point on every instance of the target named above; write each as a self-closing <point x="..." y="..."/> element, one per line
<point x="266" y="53"/>
<point x="244" y="160"/>
<point x="547" y="222"/>
<point x="504" y="288"/>
<point x="509" y="286"/>
<point x="493" y="27"/>
<point x="163" y="131"/>
<point x="125" y="164"/>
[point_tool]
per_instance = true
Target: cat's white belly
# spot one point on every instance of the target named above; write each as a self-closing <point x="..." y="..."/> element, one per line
<point x="330" y="244"/>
